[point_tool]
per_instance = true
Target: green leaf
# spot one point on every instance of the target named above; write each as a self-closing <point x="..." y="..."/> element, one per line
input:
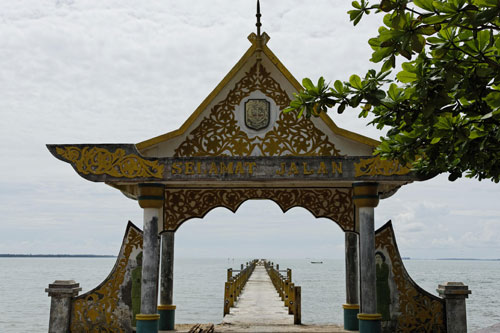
<point x="440" y="52"/>
<point x="341" y="108"/>
<point x="355" y="16"/>
<point x="424" y="4"/>
<point x="493" y="99"/>
<point x="444" y="123"/>
<point x="321" y="83"/>
<point x="374" y="43"/>
<point x="406" y="77"/>
<point x="435" y="140"/>
<point x="338" y="86"/>
<point x="435" y="40"/>
<point x="444" y="7"/>
<point x="487" y="3"/>
<point x="486" y="16"/>
<point x="435" y="19"/>
<point x="393" y="92"/>
<point x="405" y="53"/>
<point x="491" y="114"/>
<point x="427" y="29"/>
<point x="300" y="112"/>
<point x="387" y="5"/>
<point x="388" y="64"/>
<point x="355" y="82"/>
<point x="380" y="54"/>
<point x="408" y="66"/>
<point x="477" y="134"/>
<point x="307" y="83"/>
<point x="417" y="43"/>
<point x="482" y="39"/>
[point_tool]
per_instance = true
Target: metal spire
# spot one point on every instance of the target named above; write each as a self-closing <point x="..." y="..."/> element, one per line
<point x="258" y="24"/>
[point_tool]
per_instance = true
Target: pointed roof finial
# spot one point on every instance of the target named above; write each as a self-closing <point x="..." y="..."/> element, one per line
<point x="258" y="24"/>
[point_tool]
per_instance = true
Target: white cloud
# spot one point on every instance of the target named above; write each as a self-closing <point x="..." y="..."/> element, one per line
<point x="120" y="71"/>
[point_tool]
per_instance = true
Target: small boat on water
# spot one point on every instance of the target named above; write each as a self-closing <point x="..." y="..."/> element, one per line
<point x="316" y="262"/>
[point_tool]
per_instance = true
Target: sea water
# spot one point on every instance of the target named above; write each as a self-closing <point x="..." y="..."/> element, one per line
<point x="199" y="287"/>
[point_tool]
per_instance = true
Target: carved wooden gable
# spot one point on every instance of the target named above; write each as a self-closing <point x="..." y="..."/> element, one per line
<point x="243" y="117"/>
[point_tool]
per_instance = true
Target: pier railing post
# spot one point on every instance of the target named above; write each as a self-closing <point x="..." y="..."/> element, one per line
<point x="282" y="287"/>
<point x="297" y="312"/>
<point x="227" y="291"/>
<point x="61" y="293"/>
<point x="287" y="292"/>
<point x="455" y="294"/>
<point x="231" y="292"/>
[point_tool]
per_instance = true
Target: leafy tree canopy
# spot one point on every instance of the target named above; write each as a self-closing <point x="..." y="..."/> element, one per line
<point x="443" y="107"/>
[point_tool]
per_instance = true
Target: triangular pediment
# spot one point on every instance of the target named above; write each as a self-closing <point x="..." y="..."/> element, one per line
<point x="242" y="117"/>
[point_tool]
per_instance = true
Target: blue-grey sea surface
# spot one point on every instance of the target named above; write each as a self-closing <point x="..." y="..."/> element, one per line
<point x="199" y="284"/>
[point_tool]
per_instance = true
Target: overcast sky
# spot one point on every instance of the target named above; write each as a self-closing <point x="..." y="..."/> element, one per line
<point x="123" y="71"/>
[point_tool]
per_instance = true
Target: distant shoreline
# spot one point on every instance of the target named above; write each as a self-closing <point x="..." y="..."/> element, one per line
<point x="6" y="255"/>
<point x="472" y="259"/>
<point x="9" y="255"/>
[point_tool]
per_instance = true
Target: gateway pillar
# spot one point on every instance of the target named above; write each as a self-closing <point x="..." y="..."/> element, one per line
<point x="166" y="309"/>
<point x="351" y="308"/>
<point x="151" y="200"/>
<point x="366" y="199"/>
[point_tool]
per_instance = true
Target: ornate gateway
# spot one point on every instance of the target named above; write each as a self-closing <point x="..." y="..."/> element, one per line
<point x="239" y="146"/>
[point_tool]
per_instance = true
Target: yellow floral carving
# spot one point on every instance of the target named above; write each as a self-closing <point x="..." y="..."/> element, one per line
<point x="183" y="204"/>
<point x="97" y="310"/>
<point x="100" y="161"/>
<point x="418" y="311"/>
<point x="377" y="167"/>
<point x="220" y="135"/>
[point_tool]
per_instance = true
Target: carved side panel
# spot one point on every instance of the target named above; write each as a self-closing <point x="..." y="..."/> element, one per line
<point x="183" y="204"/>
<point x="101" y="161"/>
<point x="108" y="308"/>
<point x="405" y="307"/>
<point x="378" y="167"/>
<point x="219" y="134"/>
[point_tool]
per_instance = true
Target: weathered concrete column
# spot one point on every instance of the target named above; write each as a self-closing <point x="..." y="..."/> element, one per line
<point x="455" y="294"/>
<point x="351" y="308"/>
<point x="151" y="200"/>
<point x="166" y="309"/>
<point x="61" y="293"/>
<point x="366" y="199"/>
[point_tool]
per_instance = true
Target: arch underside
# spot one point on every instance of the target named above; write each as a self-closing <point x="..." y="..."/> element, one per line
<point x="182" y="204"/>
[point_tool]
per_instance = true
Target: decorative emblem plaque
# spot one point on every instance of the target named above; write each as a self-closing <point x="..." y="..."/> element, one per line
<point x="257" y="113"/>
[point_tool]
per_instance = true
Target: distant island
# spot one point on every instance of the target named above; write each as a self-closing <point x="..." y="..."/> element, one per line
<point x="468" y="259"/>
<point x="9" y="255"/>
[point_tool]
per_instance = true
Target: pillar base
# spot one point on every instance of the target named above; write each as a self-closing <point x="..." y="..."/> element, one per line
<point x="147" y="323"/>
<point x="351" y="322"/>
<point x="167" y="317"/>
<point x="369" y="322"/>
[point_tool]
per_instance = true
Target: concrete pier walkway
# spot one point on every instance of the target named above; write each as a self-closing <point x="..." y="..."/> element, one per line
<point x="259" y="309"/>
<point x="259" y="303"/>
